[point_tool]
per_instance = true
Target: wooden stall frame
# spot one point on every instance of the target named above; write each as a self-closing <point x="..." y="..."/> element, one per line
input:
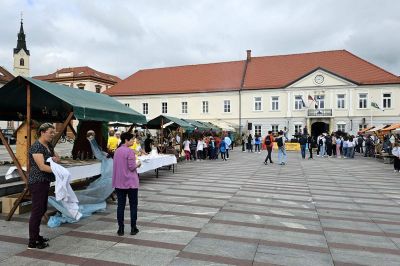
<point x="14" y="158"/>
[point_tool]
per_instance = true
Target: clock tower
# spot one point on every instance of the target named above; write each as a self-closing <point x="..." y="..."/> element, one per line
<point x="21" y="55"/>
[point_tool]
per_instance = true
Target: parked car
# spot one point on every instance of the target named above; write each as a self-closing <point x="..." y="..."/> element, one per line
<point x="9" y="135"/>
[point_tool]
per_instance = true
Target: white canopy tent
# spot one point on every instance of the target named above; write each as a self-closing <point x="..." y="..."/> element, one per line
<point x="224" y="125"/>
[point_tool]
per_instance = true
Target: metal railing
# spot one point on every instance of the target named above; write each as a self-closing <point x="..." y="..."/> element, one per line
<point x="319" y="112"/>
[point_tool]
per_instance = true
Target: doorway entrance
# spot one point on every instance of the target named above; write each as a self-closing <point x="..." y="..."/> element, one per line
<point x="317" y="128"/>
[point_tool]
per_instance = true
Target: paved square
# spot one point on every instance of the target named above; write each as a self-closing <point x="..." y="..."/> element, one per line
<point x="325" y="211"/>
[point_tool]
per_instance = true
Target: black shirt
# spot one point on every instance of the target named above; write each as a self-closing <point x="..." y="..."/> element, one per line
<point x="35" y="174"/>
<point x="147" y="145"/>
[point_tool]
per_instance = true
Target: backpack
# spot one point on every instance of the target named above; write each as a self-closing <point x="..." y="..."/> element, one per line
<point x="268" y="140"/>
<point x="328" y="141"/>
<point x="321" y="142"/>
<point x="279" y="141"/>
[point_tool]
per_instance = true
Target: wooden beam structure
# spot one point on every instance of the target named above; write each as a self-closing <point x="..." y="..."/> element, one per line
<point x="63" y="128"/>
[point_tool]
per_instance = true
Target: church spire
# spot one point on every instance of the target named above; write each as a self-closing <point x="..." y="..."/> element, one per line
<point x="21" y="43"/>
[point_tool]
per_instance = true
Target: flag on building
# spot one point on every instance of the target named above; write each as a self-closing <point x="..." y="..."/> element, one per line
<point x="375" y="105"/>
<point x="310" y="98"/>
<point x="302" y="101"/>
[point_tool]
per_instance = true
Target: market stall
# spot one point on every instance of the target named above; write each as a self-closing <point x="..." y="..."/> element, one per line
<point x="34" y="101"/>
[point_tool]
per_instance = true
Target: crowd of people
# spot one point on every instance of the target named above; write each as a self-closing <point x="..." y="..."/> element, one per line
<point x="207" y="147"/>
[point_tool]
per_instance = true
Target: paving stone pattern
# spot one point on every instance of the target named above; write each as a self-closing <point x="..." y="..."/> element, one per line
<point x="325" y="211"/>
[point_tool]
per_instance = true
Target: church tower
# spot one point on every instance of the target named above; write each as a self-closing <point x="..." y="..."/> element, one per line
<point x="21" y="55"/>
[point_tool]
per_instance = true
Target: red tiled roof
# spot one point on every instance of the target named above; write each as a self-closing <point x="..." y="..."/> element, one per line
<point x="224" y="76"/>
<point x="262" y="73"/>
<point x="5" y="76"/>
<point x="79" y="73"/>
<point x="279" y="71"/>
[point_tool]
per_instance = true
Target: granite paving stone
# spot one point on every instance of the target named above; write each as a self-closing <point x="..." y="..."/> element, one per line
<point x="325" y="211"/>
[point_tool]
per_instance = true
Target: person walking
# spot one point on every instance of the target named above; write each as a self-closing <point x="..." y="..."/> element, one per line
<point x="228" y="143"/>
<point x="396" y="154"/>
<point x="40" y="176"/>
<point x="310" y="143"/>
<point x="280" y="141"/>
<point x="269" y="143"/>
<point x="303" y="144"/>
<point x="125" y="181"/>
<point x="257" y="143"/>
<point x="222" y="149"/>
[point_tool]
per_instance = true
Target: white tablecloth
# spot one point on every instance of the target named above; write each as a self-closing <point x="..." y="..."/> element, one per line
<point x="149" y="162"/>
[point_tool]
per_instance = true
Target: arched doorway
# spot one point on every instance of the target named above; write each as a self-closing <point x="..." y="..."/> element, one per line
<point x="318" y="128"/>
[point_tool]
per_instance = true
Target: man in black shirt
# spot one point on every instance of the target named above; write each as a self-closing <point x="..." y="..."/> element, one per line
<point x="148" y="143"/>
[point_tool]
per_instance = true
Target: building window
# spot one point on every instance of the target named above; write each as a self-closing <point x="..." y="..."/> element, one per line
<point x="205" y="107"/>
<point x="387" y="100"/>
<point x="184" y="107"/>
<point x="10" y="124"/>
<point x="362" y="100"/>
<point x="340" y="101"/>
<point x="320" y="101"/>
<point x="362" y="126"/>
<point x="298" y="128"/>
<point x="127" y="104"/>
<point x="145" y="108"/>
<point x="257" y="130"/>
<point x="341" y="127"/>
<point x="298" y="102"/>
<point x="80" y="86"/>
<point x="98" y="88"/>
<point x="227" y="106"/>
<point x="274" y="128"/>
<point x="257" y="104"/>
<point x="274" y="103"/>
<point x="21" y="62"/>
<point x="164" y="107"/>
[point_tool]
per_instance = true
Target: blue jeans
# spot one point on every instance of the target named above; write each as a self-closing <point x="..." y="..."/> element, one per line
<point x="303" y="151"/>
<point x="133" y="203"/>
<point x="282" y="155"/>
<point x="350" y="152"/>
<point x="322" y="151"/>
<point x="345" y="151"/>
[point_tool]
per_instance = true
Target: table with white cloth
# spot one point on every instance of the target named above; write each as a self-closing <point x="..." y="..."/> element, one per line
<point x="84" y="169"/>
<point x="155" y="162"/>
<point x="149" y="162"/>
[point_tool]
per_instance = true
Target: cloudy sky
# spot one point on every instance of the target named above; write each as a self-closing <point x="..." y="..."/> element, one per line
<point x="120" y="37"/>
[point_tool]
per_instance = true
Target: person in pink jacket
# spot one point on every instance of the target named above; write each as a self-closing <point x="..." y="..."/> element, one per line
<point x="125" y="181"/>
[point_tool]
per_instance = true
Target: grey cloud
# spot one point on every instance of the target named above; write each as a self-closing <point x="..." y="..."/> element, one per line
<point x="121" y="37"/>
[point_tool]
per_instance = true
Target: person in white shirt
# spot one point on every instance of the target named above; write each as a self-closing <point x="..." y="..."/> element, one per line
<point x="186" y="148"/>
<point x="200" y="147"/>
<point x="396" y="154"/>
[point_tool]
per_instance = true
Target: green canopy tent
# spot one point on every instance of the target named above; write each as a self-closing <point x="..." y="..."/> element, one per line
<point x="196" y="124"/>
<point x="27" y="99"/>
<point x="212" y="126"/>
<point x="173" y="122"/>
<point x="53" y="102"/>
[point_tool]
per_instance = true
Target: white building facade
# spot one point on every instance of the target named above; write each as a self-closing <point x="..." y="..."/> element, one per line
<point x="318" y="98"/>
